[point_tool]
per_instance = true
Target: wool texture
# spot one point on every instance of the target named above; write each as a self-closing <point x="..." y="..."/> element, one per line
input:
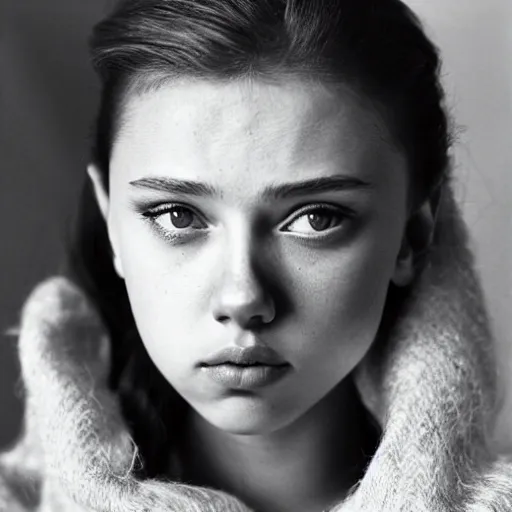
<point x="429" y="380"/>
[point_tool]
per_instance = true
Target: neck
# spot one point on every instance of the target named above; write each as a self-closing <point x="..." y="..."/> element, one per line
<point x="308" y="465"/>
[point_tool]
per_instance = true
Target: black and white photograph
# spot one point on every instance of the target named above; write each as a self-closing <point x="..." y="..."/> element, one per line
<point x="256" y="256"/>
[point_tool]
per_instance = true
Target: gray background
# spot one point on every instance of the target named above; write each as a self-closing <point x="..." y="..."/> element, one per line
<point x="48" y="97"/>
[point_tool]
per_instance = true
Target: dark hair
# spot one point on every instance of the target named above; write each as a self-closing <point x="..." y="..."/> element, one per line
<point x="377" y="47"/>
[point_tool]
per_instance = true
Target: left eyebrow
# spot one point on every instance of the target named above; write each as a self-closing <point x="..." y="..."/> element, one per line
<point x="272" y="192"/>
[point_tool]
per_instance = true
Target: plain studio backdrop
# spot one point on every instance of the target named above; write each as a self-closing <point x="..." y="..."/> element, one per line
<point x="48" y="96"/>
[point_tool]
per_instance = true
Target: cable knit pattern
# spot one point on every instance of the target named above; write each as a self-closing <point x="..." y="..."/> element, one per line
<point x="429" y="380"/>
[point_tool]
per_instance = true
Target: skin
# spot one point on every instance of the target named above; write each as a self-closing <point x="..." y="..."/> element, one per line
<point x="242" y="268"/>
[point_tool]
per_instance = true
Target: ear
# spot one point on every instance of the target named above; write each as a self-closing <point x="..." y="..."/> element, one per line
<point x="416" y="242"/>
<point x="99" y="190"/>
<point x="102" y="199"/>
<point x="404" y="265"/>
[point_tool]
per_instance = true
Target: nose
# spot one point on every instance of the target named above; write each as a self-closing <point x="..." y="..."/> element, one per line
<point x="241" y="296"/>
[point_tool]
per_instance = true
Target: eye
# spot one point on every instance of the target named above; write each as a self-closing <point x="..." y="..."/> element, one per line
<point x="317" y="219"/>
<point x="175" y="218"/>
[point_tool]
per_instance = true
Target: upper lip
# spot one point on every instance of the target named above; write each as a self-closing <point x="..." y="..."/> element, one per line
<point x="246" y="356"/>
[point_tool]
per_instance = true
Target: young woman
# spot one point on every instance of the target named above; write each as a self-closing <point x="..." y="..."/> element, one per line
<point x="274" y="305"/>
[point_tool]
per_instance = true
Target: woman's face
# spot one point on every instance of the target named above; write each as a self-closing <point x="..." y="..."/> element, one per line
<point x="249" y="214"/>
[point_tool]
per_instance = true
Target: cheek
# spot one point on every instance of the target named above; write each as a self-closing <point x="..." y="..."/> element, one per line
<point x="166" y="292"/>
<point x="340" y="299"/>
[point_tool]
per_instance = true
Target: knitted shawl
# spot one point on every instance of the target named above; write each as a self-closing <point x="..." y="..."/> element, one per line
<point x="431" y="386"/>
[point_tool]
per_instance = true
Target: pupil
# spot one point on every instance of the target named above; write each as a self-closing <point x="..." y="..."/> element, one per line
<point x="319" y="221"/>
<point x="181" y="218"/>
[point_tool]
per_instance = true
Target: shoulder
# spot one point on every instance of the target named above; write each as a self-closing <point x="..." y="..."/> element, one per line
<point x="21" y="476"/>
<point x="48" y="305"/>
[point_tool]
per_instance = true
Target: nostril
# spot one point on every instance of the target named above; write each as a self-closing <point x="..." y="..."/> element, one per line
<point x="244" y="309"/>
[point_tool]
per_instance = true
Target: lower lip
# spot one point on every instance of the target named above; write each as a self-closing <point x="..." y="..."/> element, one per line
<point x="246" y="377"/>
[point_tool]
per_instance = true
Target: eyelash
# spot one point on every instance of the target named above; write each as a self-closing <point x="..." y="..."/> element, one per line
<point x="343" y="214"/>
<point x="152" y="213"/>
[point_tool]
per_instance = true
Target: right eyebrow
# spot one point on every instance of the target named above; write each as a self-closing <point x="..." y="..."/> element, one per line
<point x="173" y="185"/>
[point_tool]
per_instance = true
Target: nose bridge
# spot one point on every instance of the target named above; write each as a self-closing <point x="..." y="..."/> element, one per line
<point x="241" y="295"/>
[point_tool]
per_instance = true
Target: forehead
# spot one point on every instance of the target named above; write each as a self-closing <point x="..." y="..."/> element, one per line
<point x="251" y="131"/>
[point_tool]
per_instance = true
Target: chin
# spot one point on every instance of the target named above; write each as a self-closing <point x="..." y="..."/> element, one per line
<point x="242" y="415"/>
